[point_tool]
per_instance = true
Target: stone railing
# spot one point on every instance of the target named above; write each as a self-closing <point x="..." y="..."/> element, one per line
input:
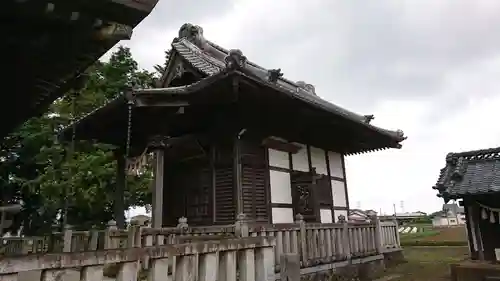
<point x="389" y="234"/>
<point x="250" y="259"/>
<point x="315" y="243"/>
<point x="321" y="243"/>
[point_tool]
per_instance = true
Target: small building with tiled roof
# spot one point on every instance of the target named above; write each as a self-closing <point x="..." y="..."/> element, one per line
<point x="231" y="137"/>
<point x="474" y="177"/>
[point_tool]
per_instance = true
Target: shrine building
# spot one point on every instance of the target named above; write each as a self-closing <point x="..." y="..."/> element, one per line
<point x="474" y="178"/>
<point x="229" y="136"/>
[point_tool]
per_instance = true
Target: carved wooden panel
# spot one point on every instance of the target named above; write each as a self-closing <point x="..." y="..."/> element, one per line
<point x="304" y="197"/>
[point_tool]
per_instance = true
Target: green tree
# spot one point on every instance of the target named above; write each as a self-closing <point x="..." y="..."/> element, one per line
<point x="49" y="176"/>
<point x="161" y="68"/>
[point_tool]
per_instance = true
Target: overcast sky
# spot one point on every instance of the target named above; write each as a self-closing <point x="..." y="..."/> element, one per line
<point x="430" y="68"/>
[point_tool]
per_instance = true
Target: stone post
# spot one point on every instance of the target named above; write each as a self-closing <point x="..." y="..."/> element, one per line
<point x="67" y="237"/>
<point x="378" y="234"/>
<point x="94" y="240"/>
<point x="241" y="226"/>
<point x="398" y="241"/>
<point x="131" y="234"/>
<point x="183" y="225"/>
<point x="299" y="219"/>
<point x="346" y="239"/>
<point x="108" y="236"/>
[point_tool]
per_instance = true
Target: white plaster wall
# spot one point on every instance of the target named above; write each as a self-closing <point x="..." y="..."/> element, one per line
<point x="278" y="159"/>
<point x="335" y="161"/>
<point x="318" y="160"/>
<point x="340" y="212"/>
<point x="281" y="191"/>
<point x="338" y="194"/>
<point x="326" y="215"/>
<point x="282" y="215"/>
<point x="300" y="161"/>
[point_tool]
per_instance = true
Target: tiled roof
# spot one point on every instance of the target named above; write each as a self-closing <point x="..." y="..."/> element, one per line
<point x="210" y="58"/>
<point x="215" y="63"/>
<point x="122" y="100"/>
<point x="469" y="173"/>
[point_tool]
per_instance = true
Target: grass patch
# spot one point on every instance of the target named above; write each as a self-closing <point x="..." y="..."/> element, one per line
<point x="417" y="235"/>
<point x="412" y="243"/>
<point x="449" y="236"/>
<point x="428" y="264"/>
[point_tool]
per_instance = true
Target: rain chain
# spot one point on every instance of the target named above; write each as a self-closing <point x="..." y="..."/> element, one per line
<point x="134" y="166"/>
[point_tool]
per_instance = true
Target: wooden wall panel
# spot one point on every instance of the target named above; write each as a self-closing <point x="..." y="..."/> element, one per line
<point x="253" y="181"/>
<point x="225" y="193"/>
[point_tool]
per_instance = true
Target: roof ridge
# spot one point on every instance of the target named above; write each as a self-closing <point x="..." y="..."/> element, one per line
<point x="210" y="58"/>
<point x="477" y="152"/>
<point x="222" y="49"/>
<point x="193" y="42"/>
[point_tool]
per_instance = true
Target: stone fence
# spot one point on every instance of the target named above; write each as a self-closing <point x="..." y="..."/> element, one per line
<point x="315" y="243"/>
<point x="244" y="259"/>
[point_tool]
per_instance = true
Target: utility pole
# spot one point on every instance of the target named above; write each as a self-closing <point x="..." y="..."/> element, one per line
<point x="394" y="207"/>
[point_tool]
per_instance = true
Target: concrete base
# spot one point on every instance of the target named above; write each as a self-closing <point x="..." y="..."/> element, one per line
<point x="475" y="271"/>
<point x="363" y="269"/>
<point x="393" y="258"/>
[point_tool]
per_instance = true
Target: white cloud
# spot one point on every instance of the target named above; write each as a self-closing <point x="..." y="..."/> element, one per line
<point x="382" y="179"/>
<point x="428" y="67"/>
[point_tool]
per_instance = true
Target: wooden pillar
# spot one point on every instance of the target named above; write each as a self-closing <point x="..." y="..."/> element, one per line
<point x="477" y="240"/>
<point x="470" y="236"/>
<point x="158" y="170"/>
<point x="118" y="198"/>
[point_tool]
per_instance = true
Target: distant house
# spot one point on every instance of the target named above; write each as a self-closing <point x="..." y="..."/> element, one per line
<point x="450" y="215"/>
<point x="406" y="217"/>
<point x="357" y="215"/>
